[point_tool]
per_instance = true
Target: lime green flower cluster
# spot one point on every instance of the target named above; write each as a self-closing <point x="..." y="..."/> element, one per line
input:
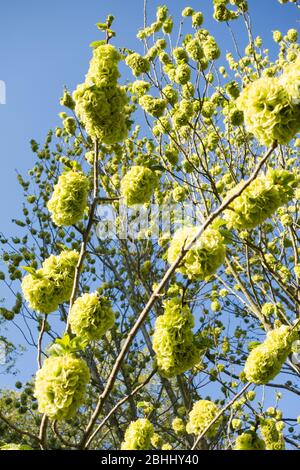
<point x="249" y="440"/>
<point x="210" y="48"/>
<point x="60" y="386"/>
<point x="194" y="49"/>
<point x="138" y="185"/>
<point x="101" y="103"/>
<point x="70" y="125"/>
<point x="290" y="79"/>
<point x="261" y="199"/>
<point x="51" y="285"/>
<point x="153" y="106"/>
<point x="273" y="438"/>
<point x="266" y="360"/>
<point x="201" y="415"/>
<point x="102" y="111"/>
<point x="223" y="13"/>
<point x="91" y="316"/>
<point x="269" y="111"/>
<point x="69" y="199"/>
<point x="205" y="256"/>
<point x="138" y="435"/>
<point x="103" y="71"/>
<point x="140" y="87"/>
<point x="178" y="426"/>
<point x="15" y="447"/>
<point x="170" y="94"/>
<point x="137" y="63"/>
<point x="173" y="339"/>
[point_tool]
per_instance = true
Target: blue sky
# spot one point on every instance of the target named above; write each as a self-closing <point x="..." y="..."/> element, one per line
<point x="44" y="46"/>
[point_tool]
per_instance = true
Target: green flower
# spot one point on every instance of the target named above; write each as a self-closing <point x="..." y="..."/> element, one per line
<point x="91" y="316"/>
<point x="60" y="386"/>
<point x="101" y="103"/>
<point x="138" y="435"/>
<point x="290" y="79"/>
<point x="203" y="412"/>
<point x="273" y="438"/>
<point x="261" y="199"/>
<point x="269" y="112"/>
<point x="178" y="426"/>
<point x="173" y="339"/>
<point x="153" y="106"/>
<point x="249" y="440"/>
<point x="140" y="87"/>
<point x="195" y="50"/>
<point x="69" y="199"/>
<point x="204" y="258"/>
<point x="137" y="63"/>
<point x="103" y="112"/>
<point x="51" y="285"/>
<point x="103" y="70"/>
<point x="266" y="360"/>
<point x="138" y="185"/>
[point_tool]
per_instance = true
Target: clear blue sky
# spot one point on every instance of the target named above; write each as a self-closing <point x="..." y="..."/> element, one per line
<point x="44" y="46"/>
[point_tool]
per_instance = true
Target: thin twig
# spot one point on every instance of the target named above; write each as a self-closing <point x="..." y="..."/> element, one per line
<point x="120" y="403"/>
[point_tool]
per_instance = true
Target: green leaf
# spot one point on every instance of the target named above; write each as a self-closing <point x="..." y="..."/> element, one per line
<point x="102" y="26"/>
<point x="98" y="43"/>
<point x="32" y="271"/>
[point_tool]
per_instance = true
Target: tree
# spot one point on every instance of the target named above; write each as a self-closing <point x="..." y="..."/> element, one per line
<point x="132" y="330"/>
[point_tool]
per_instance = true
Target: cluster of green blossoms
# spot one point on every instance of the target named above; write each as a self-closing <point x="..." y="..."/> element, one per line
<point x="223" y="13"/>
<point x="138" y="185"/>
<point x="249" y="440"/>
<point x="205" y="256"/>
<point x="173" y="339"/>
<point x="272" y="436"/>
<point x="178" y="426"/>
<point x="101" y="103"/>
<point x="201" y="415"/>
<point x="91" y="316"/>
<point x="138" y="435"/>
<point x="60" y="386"/>
<point x="290" y="79"/>
<point x="138" y="64"/>
<point x="266" y="360"/>
<point x="51" y="285"/>
<point x="261" y="199"/>
<point x="69" y="199"/>
<point x="270" y="110"/>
